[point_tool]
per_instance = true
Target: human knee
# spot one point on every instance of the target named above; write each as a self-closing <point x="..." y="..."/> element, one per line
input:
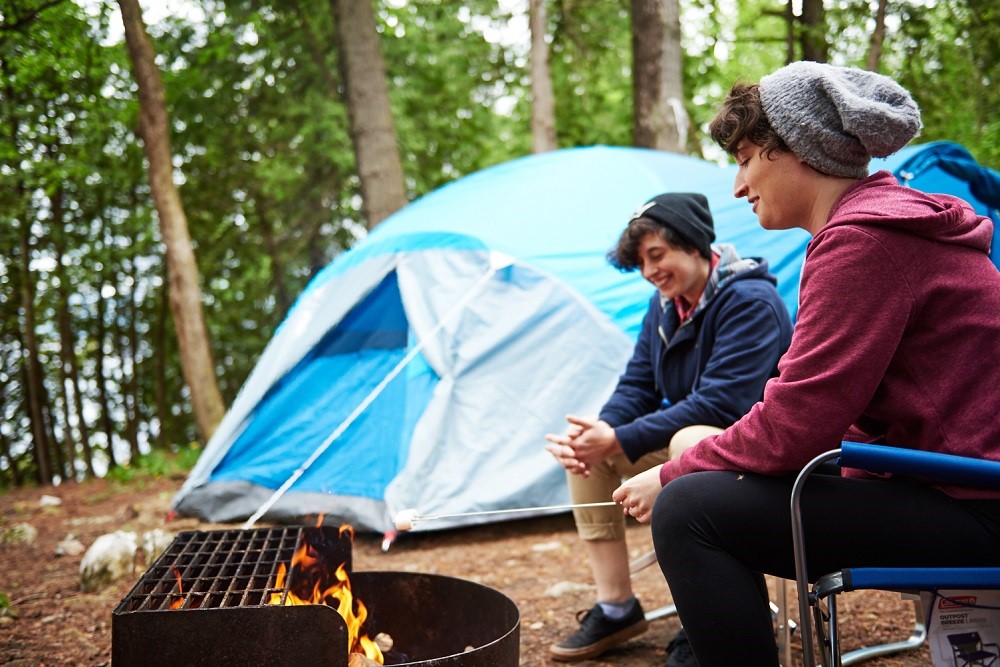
<point x="593" y="529"/>
<point x="680" y="505"/>
<point x="689" y="436"/>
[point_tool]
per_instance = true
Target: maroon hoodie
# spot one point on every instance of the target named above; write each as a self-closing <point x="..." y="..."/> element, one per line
<point x="897" y="341"/>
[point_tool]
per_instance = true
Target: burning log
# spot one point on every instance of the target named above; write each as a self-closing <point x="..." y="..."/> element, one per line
<point x="359" y="660"/>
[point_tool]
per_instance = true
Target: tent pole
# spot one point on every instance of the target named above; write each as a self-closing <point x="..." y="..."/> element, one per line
<point x="495" y="265"/>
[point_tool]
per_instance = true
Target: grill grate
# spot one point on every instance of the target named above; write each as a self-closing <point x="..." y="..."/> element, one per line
<point x="233" y="568"/>
<point x="207" y="601"/>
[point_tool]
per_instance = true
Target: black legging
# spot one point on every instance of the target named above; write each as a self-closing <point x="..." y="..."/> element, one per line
<point x="717" y="533"/>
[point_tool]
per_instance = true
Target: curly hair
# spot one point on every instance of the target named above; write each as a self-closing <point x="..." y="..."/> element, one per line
<point x="741" y="118"/>
<point x="625" y="255"/>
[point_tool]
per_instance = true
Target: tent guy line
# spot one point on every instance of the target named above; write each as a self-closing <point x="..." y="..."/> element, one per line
<point x="497" y="262"/>
<point x="406" y="518"/>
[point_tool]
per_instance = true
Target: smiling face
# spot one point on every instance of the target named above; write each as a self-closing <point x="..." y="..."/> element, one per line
<point x="672" y="271"/>
<point x="780" y="187"/>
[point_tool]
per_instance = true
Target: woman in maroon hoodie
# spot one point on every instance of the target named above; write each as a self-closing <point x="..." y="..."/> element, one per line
<point x="897" y="342"/>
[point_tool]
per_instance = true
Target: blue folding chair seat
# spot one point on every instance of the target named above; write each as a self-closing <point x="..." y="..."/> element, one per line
<point x="822" y="597"/>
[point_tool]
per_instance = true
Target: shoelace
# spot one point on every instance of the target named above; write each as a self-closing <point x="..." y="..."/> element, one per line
<point x="585" y="616"/>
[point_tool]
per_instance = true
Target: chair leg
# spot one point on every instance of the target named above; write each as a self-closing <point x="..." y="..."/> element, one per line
<point x="785" y="626"/>
<point x="640" y="564"/>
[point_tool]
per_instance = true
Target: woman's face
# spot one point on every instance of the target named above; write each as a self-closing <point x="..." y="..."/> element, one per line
<point x="779" y="187"/>
<point x="672" y="271"/>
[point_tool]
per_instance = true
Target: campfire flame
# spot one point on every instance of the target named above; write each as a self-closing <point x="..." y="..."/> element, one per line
<point x="315" y="584"/>
<point x="179" y="602"/>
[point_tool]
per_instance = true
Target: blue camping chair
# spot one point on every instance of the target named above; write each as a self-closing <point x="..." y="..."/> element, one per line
<point x="822" y="597"/>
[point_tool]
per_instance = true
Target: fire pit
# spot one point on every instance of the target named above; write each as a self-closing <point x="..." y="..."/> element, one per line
<point x="231" y="597"/>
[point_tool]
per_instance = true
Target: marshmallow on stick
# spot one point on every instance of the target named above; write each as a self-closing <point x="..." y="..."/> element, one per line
<point x="405" y="518"/>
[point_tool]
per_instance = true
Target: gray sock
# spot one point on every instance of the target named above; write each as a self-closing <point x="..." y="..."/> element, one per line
<point x="617" y="610"/>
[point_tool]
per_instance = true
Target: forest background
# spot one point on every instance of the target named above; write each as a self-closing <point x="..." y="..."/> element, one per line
<point x="169" y="185"/>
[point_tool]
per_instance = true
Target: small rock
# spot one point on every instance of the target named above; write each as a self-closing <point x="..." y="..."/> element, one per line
<point x="49" y="501"/>
<point x="154" y="543"/>
<point x="546" y="546"/>
<point x="564" y="587"/>
<point x="19" y="533"/>
<point x="70" y="546"/>
<point x="110" y="558"/>
<point x="537" y="625"/>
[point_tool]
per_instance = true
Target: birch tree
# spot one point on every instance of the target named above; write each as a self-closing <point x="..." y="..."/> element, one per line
<point x="543" y="105"/>
<point x="659" y="116"/>
<point x="185" y="292"/>
<point x="367" y="95"/>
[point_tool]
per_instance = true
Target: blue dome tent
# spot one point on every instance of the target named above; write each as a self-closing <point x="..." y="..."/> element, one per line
<point x="421" y="368"/>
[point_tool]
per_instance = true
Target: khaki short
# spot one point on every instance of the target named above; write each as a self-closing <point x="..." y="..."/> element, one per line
<point x="608" y="523"/>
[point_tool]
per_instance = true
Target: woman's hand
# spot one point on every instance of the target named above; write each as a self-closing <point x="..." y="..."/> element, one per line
<point x="587" y="442"/>
<point x="637" y="494"/>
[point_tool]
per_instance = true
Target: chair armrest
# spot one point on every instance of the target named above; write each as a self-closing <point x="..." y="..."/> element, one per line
<point x="917" y="463"/>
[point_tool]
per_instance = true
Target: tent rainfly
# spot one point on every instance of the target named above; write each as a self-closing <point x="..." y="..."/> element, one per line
<point x="421" y="368"/>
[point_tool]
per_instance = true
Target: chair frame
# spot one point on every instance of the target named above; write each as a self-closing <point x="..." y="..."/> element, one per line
<point x="881" y="459"/>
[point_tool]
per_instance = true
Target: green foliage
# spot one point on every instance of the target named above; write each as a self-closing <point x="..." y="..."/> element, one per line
<point x="6" y="608"/>
<point x="590" y="58"/>
<point x="266" y="168"/>
<point x="174" y="461"/>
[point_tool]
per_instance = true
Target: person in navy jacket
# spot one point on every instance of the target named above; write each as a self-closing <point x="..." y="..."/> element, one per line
<point x="710" y="340"/>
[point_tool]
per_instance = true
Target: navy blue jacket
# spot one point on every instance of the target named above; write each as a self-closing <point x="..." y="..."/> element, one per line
<point x="709" y="371"/>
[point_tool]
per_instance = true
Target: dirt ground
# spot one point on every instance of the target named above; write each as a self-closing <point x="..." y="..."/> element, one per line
<point x="54" y="623"/>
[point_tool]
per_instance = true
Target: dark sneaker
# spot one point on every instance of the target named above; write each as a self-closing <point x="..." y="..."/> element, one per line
<point x="679" y="653"/>
<point x="598" y="633"/>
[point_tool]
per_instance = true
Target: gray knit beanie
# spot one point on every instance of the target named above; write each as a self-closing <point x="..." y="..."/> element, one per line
<point x="837" y="118"/>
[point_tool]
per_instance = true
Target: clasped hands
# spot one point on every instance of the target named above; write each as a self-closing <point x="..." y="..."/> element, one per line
<point x="589" y="441"/>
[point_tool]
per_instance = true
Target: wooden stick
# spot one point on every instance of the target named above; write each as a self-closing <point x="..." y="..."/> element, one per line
<point x="406" y="518"/>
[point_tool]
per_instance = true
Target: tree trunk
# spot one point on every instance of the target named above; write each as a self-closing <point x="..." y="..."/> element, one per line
<point x="814" y="46"/>
<point x="372" y="132"/>
<point x="129" y="368"/>
<point x="185" y="293"/>
<point x="543" y="105"/>
<point x="34" y="394"/>
<point x="68" y="372"/>
<point x="790" y="21"/>
<point x="133" y="353"/>
<point x="69" y="440"/>
<point x="62" y="464"/>
<point x="878" y="36"/>
<point x="160" y="361"/>
<point x="74" y="379"/>
<point x="101" y="335"/>
<point x="5" y="449"/>
<point x="659" y="117"/>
